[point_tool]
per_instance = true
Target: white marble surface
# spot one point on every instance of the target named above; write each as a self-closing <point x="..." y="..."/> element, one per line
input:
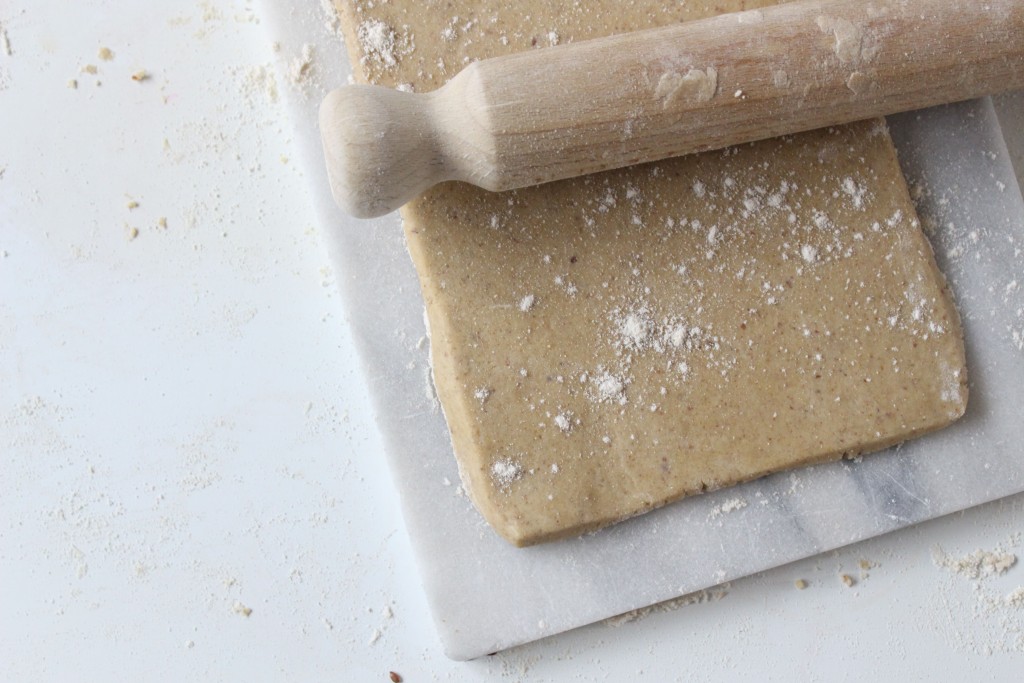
<point x="185" y="429"/>
<point x="488" y="596"/>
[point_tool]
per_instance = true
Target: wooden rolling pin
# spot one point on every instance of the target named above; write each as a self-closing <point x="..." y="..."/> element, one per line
<point x="574" y="109"/>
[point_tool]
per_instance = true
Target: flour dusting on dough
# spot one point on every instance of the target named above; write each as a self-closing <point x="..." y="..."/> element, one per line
<point x="505" y="473"/>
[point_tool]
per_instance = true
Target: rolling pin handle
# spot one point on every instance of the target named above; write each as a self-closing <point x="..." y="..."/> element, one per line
<point x="380" y="147"/>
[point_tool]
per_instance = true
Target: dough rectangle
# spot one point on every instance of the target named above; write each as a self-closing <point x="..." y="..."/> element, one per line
<point x="606" y="345"/>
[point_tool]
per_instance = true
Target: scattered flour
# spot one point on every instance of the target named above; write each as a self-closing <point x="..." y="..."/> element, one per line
<point x="564" y="421"/>
<point x="856" y="192"/>
<point x="728" y="506"/>
<point x="505" y="472"/>
<point x="987" y="619"/>
<point x="609" y="388"/>
<point x="978" y="565"/>
<point x="303" y="66"/>
<point x="809" y="253"/>
<point x="698" y="598"/>
<point x="382" y="45"/>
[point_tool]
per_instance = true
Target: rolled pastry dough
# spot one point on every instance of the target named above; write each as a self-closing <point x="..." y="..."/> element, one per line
<point x="605" y="345"/>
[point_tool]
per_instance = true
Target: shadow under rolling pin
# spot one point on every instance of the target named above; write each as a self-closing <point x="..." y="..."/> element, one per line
<point x="580" y="108"/>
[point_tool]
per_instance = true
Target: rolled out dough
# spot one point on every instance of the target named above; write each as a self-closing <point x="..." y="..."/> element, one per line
<point x="605" y="345"/>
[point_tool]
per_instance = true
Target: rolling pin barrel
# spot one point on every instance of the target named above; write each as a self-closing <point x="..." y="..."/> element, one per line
<point x="579" y="108"/>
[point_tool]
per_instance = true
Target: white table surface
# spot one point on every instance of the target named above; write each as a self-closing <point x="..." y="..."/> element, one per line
<point x="184" y="429"/>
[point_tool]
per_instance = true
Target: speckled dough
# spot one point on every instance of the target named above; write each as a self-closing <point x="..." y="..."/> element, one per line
<point x="606" y="345"/>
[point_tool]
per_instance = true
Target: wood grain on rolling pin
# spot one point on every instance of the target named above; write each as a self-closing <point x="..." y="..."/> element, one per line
<point x="575" y="109"/>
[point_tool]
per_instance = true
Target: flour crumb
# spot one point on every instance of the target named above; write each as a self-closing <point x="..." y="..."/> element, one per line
<point x="332" y="21"/>
<point x="482" y="394"/>
<point x="633" y="328"/>
<point x="381" y="43"/>
<point x="564" y="421"/>
<point x="258" y="80"/>
<point x="809" y="253"/>
<point x="978" y="565"/>
<point x="1016" y="597"/>
<point x="728" y="506"/>
<point x="527" y="302"/>
<point x="505" y="472"/>
<point x="698" y="598"/>
<point x="303" y="66"/>
<point x="855" y="192"/>
<point x="610" y="388"/>
<point x="733" y="505"/>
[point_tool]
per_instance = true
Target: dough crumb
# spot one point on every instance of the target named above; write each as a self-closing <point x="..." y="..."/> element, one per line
<point x="105" y="53"/>
<point x="800" y="584"/>
<point x="848" y="580"/>
<point x="239" y="608"/>
<point x="140" y="75"/>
